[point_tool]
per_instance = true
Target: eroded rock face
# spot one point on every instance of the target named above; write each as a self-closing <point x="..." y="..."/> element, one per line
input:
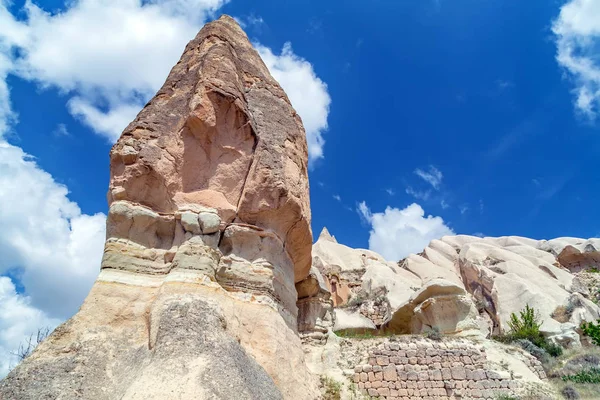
<point x="465" y="285"/>
<point x="208" y="231"/>
<point x="220" y="133"/>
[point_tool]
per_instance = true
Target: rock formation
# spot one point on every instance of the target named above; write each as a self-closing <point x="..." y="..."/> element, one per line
<point x="208" y="232"/>
<point x="464" y="285"/>
<point x="210" y="287"/>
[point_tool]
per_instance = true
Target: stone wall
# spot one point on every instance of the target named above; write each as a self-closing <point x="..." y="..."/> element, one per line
<point x="377" y="310"/>
<point x="440" y="370"/>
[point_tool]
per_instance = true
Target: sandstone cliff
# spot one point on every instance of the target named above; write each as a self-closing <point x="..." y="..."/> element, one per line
<point x="208" y="231"/>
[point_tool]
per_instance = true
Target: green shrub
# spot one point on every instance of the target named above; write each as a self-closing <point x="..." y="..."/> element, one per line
<point x="434" y="334"/>
<point x="527" y="326"/>
<point x="592" y="330"/>
<point x="591" y="375"/>
<point x="570" y="393"/>
<point x="506" y="397"/>
<point x="525" y="332"/>
<point x="353" y="334"/>
<point x="533" y="349"/>
<point x="553" y="349"/>
<point x="333" y="389"/>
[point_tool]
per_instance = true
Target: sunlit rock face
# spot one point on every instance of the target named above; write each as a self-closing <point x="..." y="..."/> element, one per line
<point x="208" y="232"/>
<point x="463" y="285"/>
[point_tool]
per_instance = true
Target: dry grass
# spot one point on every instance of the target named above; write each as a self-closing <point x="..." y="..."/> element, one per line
<point x="586" y="391"/>
<point x="561" y="314"/>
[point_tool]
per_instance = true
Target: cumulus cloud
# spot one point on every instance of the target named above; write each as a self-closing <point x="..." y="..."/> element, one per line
<point x="433" y="176"/>
<point x="18" y="320"/>
<point x="577" y="33"/>
<point x="396" y="233"/>
<point x="306" y="91"/>
<point x="48" y="243"/>
<point x="111" y="56"/>
<point x="110" y="123"/>
<point x="45" y="236"/>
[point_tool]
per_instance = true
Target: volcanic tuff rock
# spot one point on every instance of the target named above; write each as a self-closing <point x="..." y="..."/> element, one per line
<point x="464" y="285"/>
<point x="207" y="233"/>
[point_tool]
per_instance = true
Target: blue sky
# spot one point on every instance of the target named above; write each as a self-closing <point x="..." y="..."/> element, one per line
<point x="425" y="118"/>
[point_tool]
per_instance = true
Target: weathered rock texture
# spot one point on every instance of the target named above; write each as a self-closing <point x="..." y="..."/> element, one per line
<point x="464" y="285"/>
<point x="208" y="231"/>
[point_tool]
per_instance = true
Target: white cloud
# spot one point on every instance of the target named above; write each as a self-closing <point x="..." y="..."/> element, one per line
<point x="337" y="197"/>
<point x="390" y="191"/>
<point x="306" y="91"/>
<point x="111" y="55"/>
<point x="577" y="31"/>
<point x="109" y="124"/>
<point x="396" y="233"/>
<point x="55" y="247"/>
<point x="418" y="194"/>
<point x="18" y="320"/>
<point x="464" y="208"/>
<point x="444" y="204"/>
<point x="46" y="240"/>
<point x="61" y="130"/>
<point x="433" y="176"/>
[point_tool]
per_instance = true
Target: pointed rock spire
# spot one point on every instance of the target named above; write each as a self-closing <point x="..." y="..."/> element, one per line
<point x="325" y="235"/>
<point x="207" y="232"/>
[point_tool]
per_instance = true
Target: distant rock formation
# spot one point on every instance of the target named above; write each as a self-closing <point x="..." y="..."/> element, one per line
<point x="207" y="233"/>
<point x="463" y="285"/>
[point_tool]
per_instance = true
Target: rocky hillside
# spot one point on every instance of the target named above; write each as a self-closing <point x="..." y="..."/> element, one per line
<point x="210" y="286"/>
<point x="463" y="285"/>
<point x="463" y="289"/>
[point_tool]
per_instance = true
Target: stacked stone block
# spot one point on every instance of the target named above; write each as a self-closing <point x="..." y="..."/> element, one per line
<point x="430" y="370"/>
<point x="377" y="310"/>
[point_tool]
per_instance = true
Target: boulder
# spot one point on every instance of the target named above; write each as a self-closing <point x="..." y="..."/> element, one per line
<point x="354" y="322"/>
<point x="439" y="305"/>
<point x="315" y="307"/>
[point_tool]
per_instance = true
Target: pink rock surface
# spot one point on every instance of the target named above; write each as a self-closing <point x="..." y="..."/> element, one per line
<point x="220" y="133"/>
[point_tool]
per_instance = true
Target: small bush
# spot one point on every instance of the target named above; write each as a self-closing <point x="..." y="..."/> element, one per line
<point x="356" y="301"/>
<point x="553" y="349"/>
<point x="506" y="397"/>
<point x="561" y="314"/>
<point x="333" y="389"/>
<point x="533" y="349"/>
<point x="525" y="332"/>
<point x="527" y="325"/>
<point x="27" y="347"/>
<point x="593" y="270"/>
<point x="592" y="330"/>
<point x="434" y="334"/>
<point x="352" y="334"/>
<point x="591" y="375"/>
<point x="570" y="393"/>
